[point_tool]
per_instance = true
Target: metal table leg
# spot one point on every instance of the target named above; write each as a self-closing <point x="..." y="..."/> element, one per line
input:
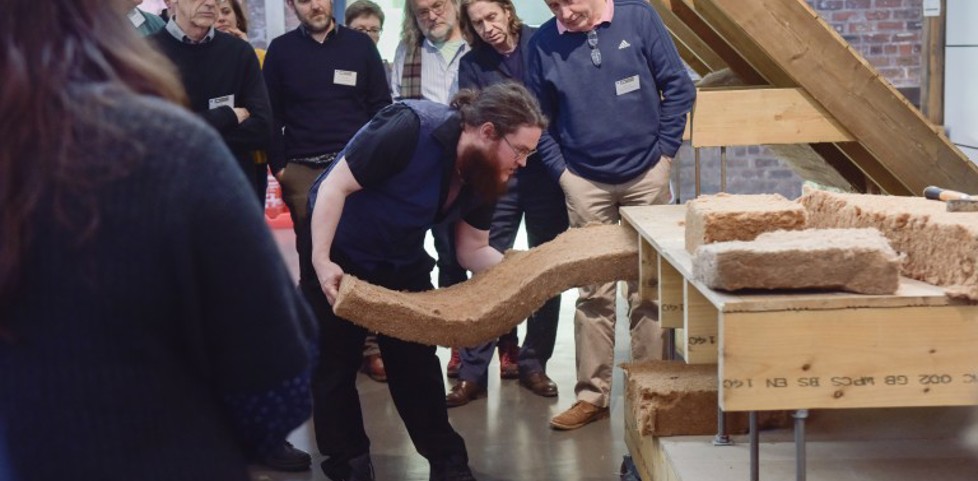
<point x="722" y="438"/>
<point x="800" y="459"/>
<point x="755" y="448"/>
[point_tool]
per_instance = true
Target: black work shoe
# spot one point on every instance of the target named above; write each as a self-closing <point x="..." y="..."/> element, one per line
<point x="450" y="471"/>
<point x="359" y="468"/>
<point x="288" y="458"/>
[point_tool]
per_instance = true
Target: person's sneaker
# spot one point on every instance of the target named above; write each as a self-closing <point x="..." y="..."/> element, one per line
<point x="288" y="458"/>
<point x="509" y="359"/>
<point x="581" y="413"/>
<point x="373" y="366"/>
<point x="454" y="364"/>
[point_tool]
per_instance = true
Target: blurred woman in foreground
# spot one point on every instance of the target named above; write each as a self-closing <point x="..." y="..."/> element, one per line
<point x="148" y="327"/>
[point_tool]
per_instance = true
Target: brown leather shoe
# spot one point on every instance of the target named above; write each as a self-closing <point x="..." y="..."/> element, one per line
<point x="463" y="392"/>
<point x="581" y="413"/>
<point x="539" y="383"/>
<point x="373" y="366"/>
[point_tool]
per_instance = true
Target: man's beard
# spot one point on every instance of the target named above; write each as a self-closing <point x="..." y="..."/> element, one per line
<point x="314" y="28"/>
<point x="481" y="174"/>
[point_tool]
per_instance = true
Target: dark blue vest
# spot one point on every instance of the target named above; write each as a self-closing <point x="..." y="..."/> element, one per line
<point x="382" y="227"/>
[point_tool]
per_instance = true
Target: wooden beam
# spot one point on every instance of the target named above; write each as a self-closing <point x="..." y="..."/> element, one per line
<point x="790" y="36"/>
<point x="838" y="160"/>
<point x="849" y="358"/>
<point x="761" y="116"/>
<point x="700" y="327"/>
<point x="670" y="294"/>
<point x="693" y="50"/>
<point x="932" y="73"/>
<point x="685" y="11"/>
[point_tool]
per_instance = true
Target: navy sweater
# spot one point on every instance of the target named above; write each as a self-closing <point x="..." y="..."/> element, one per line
<point x="308" y="84"/>
<point x="224" y="66"/>
<point x="602" y="128"/>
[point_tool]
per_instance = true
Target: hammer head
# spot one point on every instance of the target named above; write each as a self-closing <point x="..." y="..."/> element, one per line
<point x="962" y="205"/>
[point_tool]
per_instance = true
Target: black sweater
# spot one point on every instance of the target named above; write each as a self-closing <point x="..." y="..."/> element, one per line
<point x="225" y="66"/>
<point x="308" y="84"/>
<point x="125" y="347"/>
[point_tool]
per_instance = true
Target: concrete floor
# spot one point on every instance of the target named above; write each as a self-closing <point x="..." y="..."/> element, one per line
<point x="507" y="433"/>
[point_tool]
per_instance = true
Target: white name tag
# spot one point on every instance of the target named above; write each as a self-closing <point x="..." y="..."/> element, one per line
<point x="345" y="77"/>
<point x="218" y="102"/>
<point x="626" y="85"/>
<point x="136" y="18"/>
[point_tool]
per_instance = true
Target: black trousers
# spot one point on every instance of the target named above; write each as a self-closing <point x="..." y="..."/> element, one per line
<point x="414" y="378"/>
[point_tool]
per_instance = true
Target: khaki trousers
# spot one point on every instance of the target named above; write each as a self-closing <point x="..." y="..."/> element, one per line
<point x="590" y="202"/>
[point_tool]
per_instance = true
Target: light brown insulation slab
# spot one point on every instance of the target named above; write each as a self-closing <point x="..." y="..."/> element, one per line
<point x="672" y="398"/>
<point x="724" y="217"/>
<point x="492" y="302"/>
<point x="854" y="260"/>
<point x="940" y="247"/>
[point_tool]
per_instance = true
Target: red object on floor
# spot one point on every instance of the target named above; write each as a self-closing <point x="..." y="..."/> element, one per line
<point x="276" y="212"/>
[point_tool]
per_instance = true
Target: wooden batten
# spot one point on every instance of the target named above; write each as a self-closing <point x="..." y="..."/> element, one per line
<point x="728" y="117"/>
<point x="670" y="292"/>
<point x="700" y="327"/>
<point x="790" y="45"/>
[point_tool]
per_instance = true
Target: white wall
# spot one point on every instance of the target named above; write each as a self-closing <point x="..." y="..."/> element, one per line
<point x="961" y="76"/>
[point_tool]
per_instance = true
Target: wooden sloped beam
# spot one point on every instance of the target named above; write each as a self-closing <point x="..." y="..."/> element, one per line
<point x="693" y="50"/>
<point x="813" y="56"/>
<point x="685" y="12"/>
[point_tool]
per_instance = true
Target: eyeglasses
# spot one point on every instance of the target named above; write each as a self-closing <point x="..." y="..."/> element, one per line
<point x="369" y="30"/>
<point x="520" y="153"/>
<point x="592" y="42"/>
<point x="438" y="8"/>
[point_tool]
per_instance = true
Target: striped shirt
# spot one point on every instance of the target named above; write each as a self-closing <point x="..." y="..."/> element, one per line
<point x="439" y="77"/>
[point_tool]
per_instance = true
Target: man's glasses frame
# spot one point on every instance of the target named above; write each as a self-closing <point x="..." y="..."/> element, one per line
<point x="369" y="30"/>
<point x="521" y="154"/>
<point x="592" y="43"/>
<point x="438" y="9"/>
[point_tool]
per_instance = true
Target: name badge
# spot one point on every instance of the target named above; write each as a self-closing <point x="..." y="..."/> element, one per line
<point x="627" y="85"/>
<point x="345" y="77"/>
<point x="136" y="18"/>
<point x="218" y="102"/>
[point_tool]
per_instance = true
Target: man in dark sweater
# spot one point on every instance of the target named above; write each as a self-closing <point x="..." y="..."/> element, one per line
<point x="609" y="78"/>
<point x="223" y="81"/>
<point x="325" y="81"/>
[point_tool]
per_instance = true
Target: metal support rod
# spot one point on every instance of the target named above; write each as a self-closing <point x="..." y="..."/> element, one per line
<point x="800" y="470"/>
<point x="678" y="180"/>
<point x="755" y="449"/>
<point x="722" y="438"/>
<point x="670" y="344"/>
<point x="696" y="169"/>
<point x="723" y="168"/>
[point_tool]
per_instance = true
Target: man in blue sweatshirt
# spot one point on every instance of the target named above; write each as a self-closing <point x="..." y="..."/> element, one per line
<point x="617" y="94"/>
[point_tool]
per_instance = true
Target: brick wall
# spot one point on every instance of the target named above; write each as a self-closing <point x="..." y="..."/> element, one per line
<point x="886" y="32"/>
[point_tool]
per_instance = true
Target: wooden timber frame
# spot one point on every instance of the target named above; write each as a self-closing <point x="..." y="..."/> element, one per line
<point x="803" y="350"/>
<point x="855" y="120"/>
